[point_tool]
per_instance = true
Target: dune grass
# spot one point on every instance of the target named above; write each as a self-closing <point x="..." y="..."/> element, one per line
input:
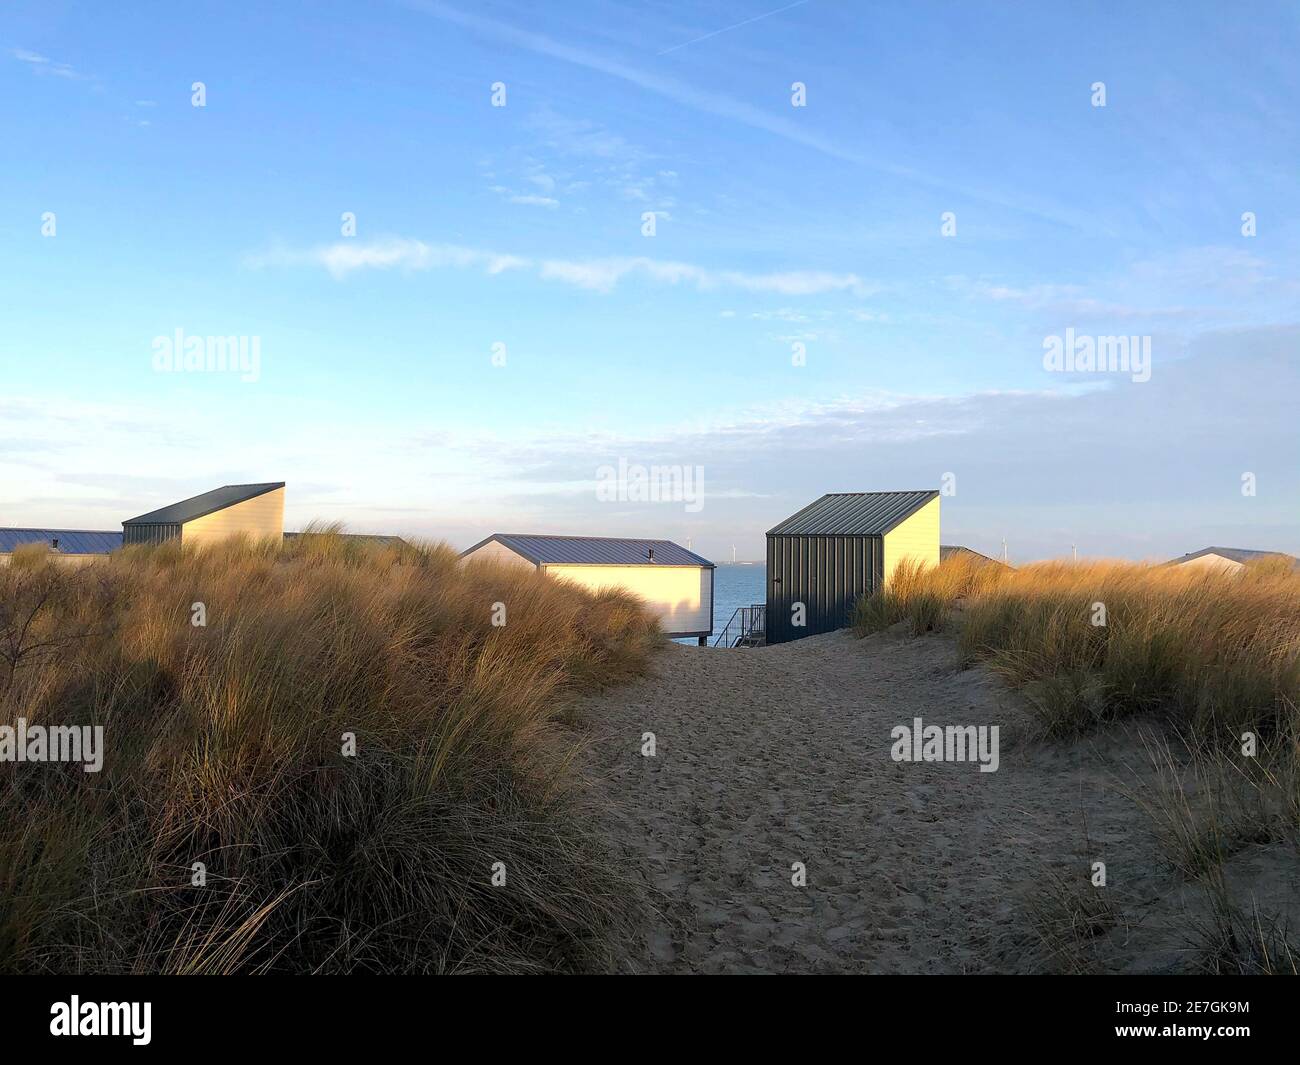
<point x="225" y="763"/>
<point x="925" y="597"/>
<point x="1211" y="659"/>
<point x="1090" y="643"/>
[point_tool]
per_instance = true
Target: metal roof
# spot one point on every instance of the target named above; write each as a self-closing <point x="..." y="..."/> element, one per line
<point x="594" y="550"/>
<point x="197" y="506"/>
<point x="947" y="551"/>
<point x="1237" y="554"/>
<point x="71" y="541"/>
<point x="853" y="514"/>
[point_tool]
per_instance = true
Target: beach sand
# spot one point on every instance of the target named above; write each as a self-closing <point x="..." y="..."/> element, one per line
<point x="773" y="756"/>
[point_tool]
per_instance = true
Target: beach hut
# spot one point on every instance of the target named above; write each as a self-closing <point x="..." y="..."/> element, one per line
<point x="957" y="551"/>
<point x="676" y="584"/>
<point x="821" y="559"/>
<point x="71" y="547"/>
<point x="1227" y="559"/>
<point x="253" y="510"/>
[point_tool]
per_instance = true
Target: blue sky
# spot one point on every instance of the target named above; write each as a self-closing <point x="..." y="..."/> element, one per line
<point x="377" y="399"/>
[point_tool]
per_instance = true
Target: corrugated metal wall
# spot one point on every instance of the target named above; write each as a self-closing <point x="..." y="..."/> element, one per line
<point x="150" y="533"/>
<point x="825" y="573"/>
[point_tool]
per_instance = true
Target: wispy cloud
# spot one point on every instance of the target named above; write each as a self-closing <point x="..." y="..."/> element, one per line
<point x="45" y="66"/>
<point x="529" y="199"/>
<point x="562" y="157"/>
<point x="526" y="199"/>
<point x="582" y="138"/>
<point x="396" y="253"/>
<point x="1194" y="286"/>
<point x="600" y="274"/>
<point x="711" y="101"/>
<point x="1073" y="300"/>
<point x="605" y="274"/>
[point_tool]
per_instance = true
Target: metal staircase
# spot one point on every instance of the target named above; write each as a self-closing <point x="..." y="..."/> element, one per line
<point x="747" y="628"/>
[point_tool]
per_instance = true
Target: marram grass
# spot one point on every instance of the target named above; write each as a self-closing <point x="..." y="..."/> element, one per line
<point x="224" y="763"/>
<point x="1094" y="642"/>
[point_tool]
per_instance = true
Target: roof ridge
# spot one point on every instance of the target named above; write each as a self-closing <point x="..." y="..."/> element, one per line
<point x="50" y="528"/>
<point x="583" y="536"/>
<point x="190" y="508"/>
<point x="854" y="513"/>
<point x="885" y="492"/>
<point x="559" y="549"/>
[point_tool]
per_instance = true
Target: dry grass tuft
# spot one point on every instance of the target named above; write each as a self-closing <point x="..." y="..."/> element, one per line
<point x="224" y="746"/>
<point x="1240" y="940"/>
<point x="27" y="556"/>
<point x="925" y="597"/>
<point x="1207" y="650"/>
<point x="1208" y="802"/>
<point x="1073" y="921"/>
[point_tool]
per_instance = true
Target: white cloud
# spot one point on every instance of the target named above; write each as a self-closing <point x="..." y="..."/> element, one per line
<point x="601" y="275"/>
<point x="604" y="274"/>
<point x="347" y="256"/>
<point x="1197" y="286"/>
<point x="530" y="200"/>
<point x="783" y="314"/>
<point x="42" y="64"/>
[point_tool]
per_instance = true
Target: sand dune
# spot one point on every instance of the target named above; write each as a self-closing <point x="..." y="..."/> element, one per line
<point x="781" y="755"/>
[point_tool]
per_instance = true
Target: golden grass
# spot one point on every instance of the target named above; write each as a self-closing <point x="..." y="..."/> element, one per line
<point x="1207" y="650"/>
<point x="224" y="747"/>
<point x="28" y="555"/>
<point x="925" y="596"/>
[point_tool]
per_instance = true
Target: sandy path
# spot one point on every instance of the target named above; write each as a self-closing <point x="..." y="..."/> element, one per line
<point x="779" y="755"/>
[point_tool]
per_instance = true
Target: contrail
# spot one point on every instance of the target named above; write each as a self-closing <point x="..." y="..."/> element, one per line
<point x="797" y="3"/>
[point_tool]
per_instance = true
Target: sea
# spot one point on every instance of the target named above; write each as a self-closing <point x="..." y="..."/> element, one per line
<point x="735" y="584"/>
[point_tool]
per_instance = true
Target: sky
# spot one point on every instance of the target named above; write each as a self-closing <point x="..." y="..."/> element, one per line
<point x="489" y="254"/>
